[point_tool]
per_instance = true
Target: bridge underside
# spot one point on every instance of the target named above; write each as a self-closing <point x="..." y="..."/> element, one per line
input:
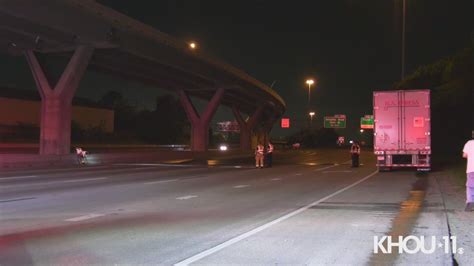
<point x="96" y="36"/>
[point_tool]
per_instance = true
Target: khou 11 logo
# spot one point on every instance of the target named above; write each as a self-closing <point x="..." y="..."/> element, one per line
<point x="385" y="245"/>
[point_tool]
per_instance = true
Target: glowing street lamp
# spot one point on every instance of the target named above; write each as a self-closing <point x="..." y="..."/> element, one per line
<point x="192" y="45"/>
<point x="309" y="82"/>
<point x="361" y="131"/>
<point x="311" y="114"/>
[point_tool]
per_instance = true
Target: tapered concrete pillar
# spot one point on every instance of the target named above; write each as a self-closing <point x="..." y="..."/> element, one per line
<point x="200" y="123"/>
<point x="246" y="126"/>
<point x="56" y="103"/>
<point x="267" y="128"/>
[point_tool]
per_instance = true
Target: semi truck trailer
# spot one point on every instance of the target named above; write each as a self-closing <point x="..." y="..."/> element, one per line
<point x="402" y="129"/>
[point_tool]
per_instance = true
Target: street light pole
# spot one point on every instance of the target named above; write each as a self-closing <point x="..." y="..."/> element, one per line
<point x="311" y="114"/>
<point x="403" y="39"/>
<point x="309" y="82"/>
<point x="309" y="94"/>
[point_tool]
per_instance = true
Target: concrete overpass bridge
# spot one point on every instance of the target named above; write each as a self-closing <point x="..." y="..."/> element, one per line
<point x="96" y="36"/>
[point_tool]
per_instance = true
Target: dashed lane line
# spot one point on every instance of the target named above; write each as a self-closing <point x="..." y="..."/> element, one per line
<point x="83" y="180"/>
<point x="54" y="182"/>
<point x="342" y="171"/>
<point x="156" y="164"/>
<point x="324" y="168"/>
<point x="186" y="197"/>
<point x="17" y="177"/>
<point x="241" y="186"/>
<point x="252" y="232"/>
<point x="160" y="181"/>
<point x="15" y="199"/>
<point x="84" y="217"/>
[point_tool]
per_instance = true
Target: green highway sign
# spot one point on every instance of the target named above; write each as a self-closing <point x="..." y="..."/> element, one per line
<point x="367" y="122"/>
<point x="336" y="121"/>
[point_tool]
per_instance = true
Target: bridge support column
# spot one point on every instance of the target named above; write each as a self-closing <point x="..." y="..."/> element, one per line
<point x="268" y="128"/>
<point x="56" y="103"/>
<point x="263" y="131"/>
<point x="200" y="123"/>
<point x="246" y="126"/>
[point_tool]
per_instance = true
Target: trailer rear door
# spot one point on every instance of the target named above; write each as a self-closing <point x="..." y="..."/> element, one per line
<point x="386" y="118"/>
<point x="416" y="120"/>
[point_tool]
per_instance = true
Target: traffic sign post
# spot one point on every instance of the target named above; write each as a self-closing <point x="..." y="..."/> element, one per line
<point x="228" y="126"/>
<point x="336" y="121"/>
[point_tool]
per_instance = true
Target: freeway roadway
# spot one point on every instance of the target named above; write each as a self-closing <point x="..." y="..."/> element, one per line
<point x="310" y="208"/>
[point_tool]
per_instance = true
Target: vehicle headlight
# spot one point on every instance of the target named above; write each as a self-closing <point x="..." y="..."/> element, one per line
<point x="223" y="147"/>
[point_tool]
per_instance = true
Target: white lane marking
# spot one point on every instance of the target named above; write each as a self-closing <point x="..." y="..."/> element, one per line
<point x="186" y="197"/>
<point x="275" y="179"/>
<point x="84" y="217"/>
<point x="241" y="186"/>
<point x="55" y="170"/>
<point x="83" y="180"/>
<point x="15" y="199"/>
<point x="54" y="182"/>
<point x="155" y="164"/>
<point x="324" y="168"/>
<point x="252" y="232"/>
<point x="160" y="181"/>
<point x="17" y="177"/>
<point x="298" y="174"/>
<point x="342" y="171"/>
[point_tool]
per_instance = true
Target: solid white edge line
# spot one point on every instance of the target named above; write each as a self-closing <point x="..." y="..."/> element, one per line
<point x="243" y="236"/>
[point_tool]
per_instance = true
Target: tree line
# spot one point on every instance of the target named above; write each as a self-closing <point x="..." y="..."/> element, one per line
<point x="451" y="81"/>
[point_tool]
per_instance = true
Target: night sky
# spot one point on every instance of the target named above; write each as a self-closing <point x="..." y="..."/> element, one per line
<point x="351" y="47"/>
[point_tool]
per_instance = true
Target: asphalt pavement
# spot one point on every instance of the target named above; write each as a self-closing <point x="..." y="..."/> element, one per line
<point x="310" y="208"/>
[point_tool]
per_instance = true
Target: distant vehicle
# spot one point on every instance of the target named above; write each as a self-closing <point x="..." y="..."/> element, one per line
<point x="223" y="147"/>
<point x="402" y="134"/>
<point x="81" y="155"/>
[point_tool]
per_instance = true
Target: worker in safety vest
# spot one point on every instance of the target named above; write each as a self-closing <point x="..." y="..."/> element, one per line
<point x="355" y="153"/>
<point x="269" y="155"/>
<point x="259" y="154"/>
